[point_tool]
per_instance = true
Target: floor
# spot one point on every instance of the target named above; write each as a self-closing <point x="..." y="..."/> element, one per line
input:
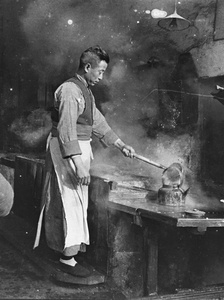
<point x="20" y="279"/>
<point x="24" y="275"/>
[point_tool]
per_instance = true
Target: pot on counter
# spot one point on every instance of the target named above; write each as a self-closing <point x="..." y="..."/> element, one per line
<point x="171" y="196"/>
<point x="170" y="193"/>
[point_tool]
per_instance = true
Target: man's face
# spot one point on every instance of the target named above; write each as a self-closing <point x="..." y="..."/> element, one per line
<point x="94" y="74"/>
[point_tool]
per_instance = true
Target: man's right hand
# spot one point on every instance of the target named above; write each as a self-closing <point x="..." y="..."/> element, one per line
<point x="82" y="175"/>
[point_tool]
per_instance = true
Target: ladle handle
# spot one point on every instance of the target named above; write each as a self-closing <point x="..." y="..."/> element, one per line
<point x="142" y="158"/>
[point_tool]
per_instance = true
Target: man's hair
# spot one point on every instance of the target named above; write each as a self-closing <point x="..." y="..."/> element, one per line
<point x="93" y="55"/>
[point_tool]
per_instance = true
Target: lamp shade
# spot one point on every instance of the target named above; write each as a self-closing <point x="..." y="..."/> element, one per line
<point x="174" y="22"/>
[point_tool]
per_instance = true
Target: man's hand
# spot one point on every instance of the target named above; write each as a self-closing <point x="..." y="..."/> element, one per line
<point x="125" y="149"/>
<point x="128" y="151"/>
<point x="82" y="175"/>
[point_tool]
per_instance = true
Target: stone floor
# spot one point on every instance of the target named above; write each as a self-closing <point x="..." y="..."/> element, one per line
<point x="25" y="274"/>
<point x="20" y="279"/>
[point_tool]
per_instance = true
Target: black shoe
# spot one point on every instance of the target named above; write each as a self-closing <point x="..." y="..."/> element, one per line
<point x="77" y="270"/>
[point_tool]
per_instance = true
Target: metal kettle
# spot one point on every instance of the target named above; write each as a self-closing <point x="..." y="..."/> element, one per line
<point x="170" y="195"/>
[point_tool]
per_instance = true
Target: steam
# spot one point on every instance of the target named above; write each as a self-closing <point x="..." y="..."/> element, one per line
<point x="200" y="199"/>
<point x="133" y="113"/>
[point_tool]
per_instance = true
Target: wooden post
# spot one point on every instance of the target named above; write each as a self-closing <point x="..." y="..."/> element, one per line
<point x="151" y="258"/>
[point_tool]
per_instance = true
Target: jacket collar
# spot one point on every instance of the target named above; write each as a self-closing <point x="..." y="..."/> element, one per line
<point x="82" y="79"/>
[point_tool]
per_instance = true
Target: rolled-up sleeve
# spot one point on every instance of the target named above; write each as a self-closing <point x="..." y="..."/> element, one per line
<point x="70" y="101"/>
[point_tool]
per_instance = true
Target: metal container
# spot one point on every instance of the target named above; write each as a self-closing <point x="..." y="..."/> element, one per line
<point x="171" y="196"/>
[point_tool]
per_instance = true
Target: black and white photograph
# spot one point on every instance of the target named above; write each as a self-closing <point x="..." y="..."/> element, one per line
<point x="112" y="149"/>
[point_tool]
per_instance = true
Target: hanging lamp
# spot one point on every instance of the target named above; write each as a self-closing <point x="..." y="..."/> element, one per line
<point x="174" y="22"/>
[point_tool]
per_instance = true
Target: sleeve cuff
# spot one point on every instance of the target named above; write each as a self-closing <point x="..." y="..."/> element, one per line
<point x="109" y="138"/>
<point x="70" y="148"/>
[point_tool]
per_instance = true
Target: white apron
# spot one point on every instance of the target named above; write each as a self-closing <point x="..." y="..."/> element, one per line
<point x="74" y="197"/>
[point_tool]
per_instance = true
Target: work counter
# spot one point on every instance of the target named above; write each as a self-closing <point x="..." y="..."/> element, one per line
<point x="153" y="248"/>
<point x="149" y="208"/>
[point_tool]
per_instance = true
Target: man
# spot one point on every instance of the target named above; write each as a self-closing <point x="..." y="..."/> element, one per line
<point x="65" y="193"/>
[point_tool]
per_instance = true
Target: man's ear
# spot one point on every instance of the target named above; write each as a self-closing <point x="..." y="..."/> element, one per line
<point x="87" y="67"/>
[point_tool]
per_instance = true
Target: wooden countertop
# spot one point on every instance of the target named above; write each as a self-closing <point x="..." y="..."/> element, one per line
<point x="137" y="195"/>
<point x="144" y="203"/>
